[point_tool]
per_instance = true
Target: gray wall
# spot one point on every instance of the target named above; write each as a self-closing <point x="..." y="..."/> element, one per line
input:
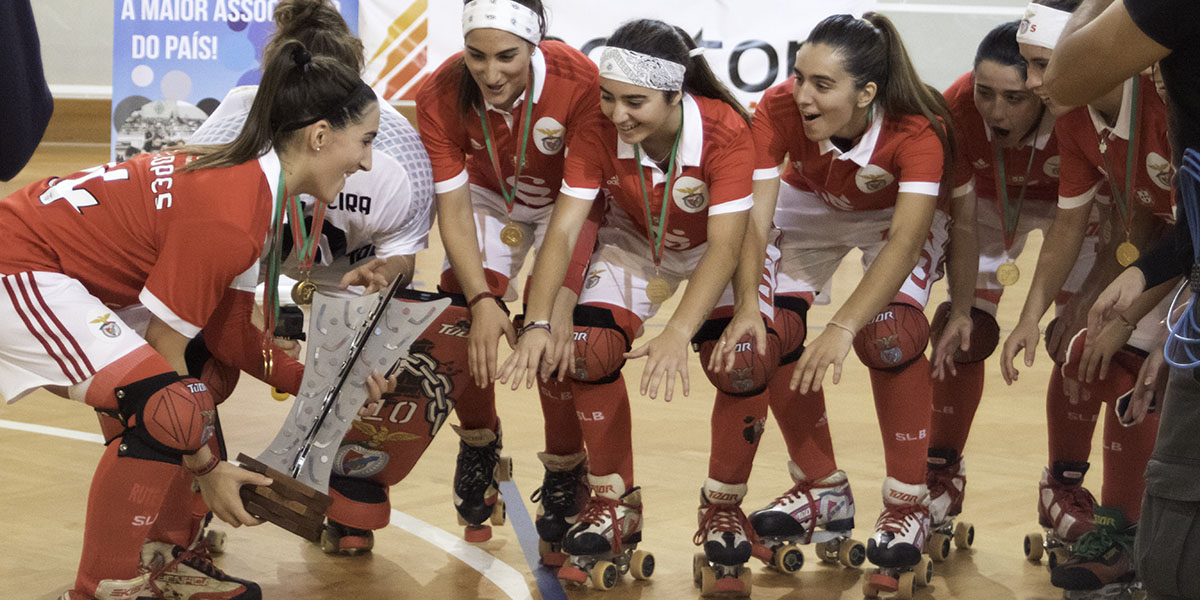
<point x="941" y="36"/>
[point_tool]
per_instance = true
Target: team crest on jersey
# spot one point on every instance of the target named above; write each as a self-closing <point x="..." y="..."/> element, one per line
<point x="1050" y="167"/>
<point x="355" y="459"/>
<point x="1159" y="170"/>
<point x="872" y="178"/>
<point x="593" y="279"/>
<point x="690" y="194"/>
<point x="103" y="326"/>
<point x="548" y="135"/>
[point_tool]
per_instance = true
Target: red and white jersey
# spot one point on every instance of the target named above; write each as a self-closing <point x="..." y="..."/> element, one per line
<point x="1081" y="134"/>
<point x="713" y="168"/>
<point x="146" y="231"/>
<point x="566" y="95"/>
<point x="1035" y="164"/>
<point x="897" y="154"/>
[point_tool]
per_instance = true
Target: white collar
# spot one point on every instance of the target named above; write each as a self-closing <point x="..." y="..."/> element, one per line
<point x="691" y="142"/>
<point x="1121" y="128"/>
<point x="270" y="165"/>
<point x="862" y="151"/>
<point x="1040" y="136"/>
<point x="537" y="62"/>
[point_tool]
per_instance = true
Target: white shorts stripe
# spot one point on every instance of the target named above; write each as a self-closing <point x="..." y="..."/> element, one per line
<point x="19" y="296"/>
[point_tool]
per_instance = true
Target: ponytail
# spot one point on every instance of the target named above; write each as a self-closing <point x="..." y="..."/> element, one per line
<point x="872" y="51"/>
<point x="667" y="42"/>
<point x="318" y="25"/>
<point x="297" y="89"/>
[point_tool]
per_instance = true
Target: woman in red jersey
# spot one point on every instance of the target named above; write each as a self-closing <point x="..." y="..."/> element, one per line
<point x="675" y="155"/>
<point x="172" y="231"/>
<point x="863" y="144"/>
<point x="497" y="121"/>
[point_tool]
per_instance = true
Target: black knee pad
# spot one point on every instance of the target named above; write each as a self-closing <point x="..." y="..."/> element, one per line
<point x="985" y="333"/>
<point x="751" y="371"/>
<point x="600" y="346"/>
<point x="893" y="338"/>
<point x="791" y="324"/>
<point x="166" y="416"/>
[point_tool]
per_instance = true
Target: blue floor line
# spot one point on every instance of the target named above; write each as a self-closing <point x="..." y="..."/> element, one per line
<point x="518" y="515"/>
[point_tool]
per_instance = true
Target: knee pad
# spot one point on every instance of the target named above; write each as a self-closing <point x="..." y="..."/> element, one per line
<point x="893" y="338"/>
<point x="600" y="346"/>
<point x="751" y="371"/>
<point x="220" y="378"/>
<point x="985" y="333"/>
<point x="166" y="416"/>
<point x="359" y="503"/>
<point x="791" y="325"/>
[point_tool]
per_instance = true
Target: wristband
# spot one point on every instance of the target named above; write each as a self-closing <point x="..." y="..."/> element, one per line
<point x="543" y="325"/>
<point x="480" y="296"/>
<point x="208" y="467"/>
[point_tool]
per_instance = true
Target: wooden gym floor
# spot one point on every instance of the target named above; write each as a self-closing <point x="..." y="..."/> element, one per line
<point x="44" y="484"/>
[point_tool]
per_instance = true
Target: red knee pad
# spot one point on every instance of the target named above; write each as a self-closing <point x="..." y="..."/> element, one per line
<point x="600" y="345"/>
<point x="751" y="371"/>
<point x="791" y="325"/>
<point x="175" y="413"/>
<point x="893" y="338"/>
<point x="985" y="333"/>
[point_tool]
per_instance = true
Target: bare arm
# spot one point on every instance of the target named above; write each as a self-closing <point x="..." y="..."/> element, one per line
<point x="962" y="273"/>
<point x="1100" y="48"/>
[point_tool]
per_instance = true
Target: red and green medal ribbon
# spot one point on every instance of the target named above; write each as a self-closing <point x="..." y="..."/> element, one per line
<point x="1008" y="273"/>
<point x="1127" y="253"/>
<point x="511" y="235"/>
<point x="657" y="290"/>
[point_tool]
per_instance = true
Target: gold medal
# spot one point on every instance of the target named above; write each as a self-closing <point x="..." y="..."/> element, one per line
<point x="302" y="292"/>
<point x="1127" y="253"/>
<point x="658" y="290"/>
<point x="512" y="235"/>
<point x="1008" y="274"/>
<point x="268" y="363"/>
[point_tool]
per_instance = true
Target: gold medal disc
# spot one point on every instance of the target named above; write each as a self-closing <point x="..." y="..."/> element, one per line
<point x="1127" y="253"/>
<point x="512" y="235"/>
<point x="1008" y="273"/>
<point x="658" y="290"/>
<point x="302" y="292"/>
<point x="268" y="362"/>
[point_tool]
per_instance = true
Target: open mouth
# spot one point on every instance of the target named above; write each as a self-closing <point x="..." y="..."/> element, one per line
<point x="810" y="117"/>
<point x="1001" y="132"/>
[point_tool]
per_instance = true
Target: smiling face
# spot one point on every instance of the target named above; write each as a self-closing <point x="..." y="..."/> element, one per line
<point x="1036" y="59"/>
<point x="340" y="153"/>
<point x="638" y="112"/>
<point x="499" y="63"/>
<point x="1007" y="108"/>
<point x="826" y="95"/>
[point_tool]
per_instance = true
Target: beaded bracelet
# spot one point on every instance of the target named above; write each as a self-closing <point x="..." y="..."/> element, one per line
<point x="213" y="461"/>
<point x="480" y="296"/>
<point x="543" y="325"/>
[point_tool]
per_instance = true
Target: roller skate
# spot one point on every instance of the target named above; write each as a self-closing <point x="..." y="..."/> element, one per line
<point x="562" y="496"/>
<point x="898" y="543"/>
<point x="946" y="476"/>
<point x="1064" y="511"/>
<point x="191" y="575"/>
<point x="1101" y="564"/>
<point x="476" y="495"/>
<point x="728" y="541"/>
<point x="344" y="539"/>
<point x="812" y="512"/>
<point x="602" y="545"/>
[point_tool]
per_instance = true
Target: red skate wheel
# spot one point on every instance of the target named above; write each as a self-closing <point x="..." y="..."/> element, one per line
<point x="572" y="574"/>
<point x="477" y="534"/>
<point x="728" y="585"/>
<point x="883" y="583"/>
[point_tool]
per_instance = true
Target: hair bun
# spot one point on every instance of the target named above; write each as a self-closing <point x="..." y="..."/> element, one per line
<point x="301" y="56"/>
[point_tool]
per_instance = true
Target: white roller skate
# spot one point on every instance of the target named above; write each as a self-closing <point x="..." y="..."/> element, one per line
<point x="812" y="512"/>
<point x="1065" y="510"/>
<point x="728" y="541"/>
<point x="602" y="545"/>
<point x="946" y="475"/>
<point x="476" y="494"/>
<point x="562" y="496"/>
<point x="170" y="571"/>
<point x="899" y="541"/>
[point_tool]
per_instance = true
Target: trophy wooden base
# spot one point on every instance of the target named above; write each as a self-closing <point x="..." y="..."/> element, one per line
<point x="287" y="503"/>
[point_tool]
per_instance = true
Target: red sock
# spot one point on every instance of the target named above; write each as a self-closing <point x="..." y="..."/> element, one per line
<point x="737" y="425"/>
<point x="563" y="435"/>
<point x="904" y="402"/>
<point x="1126" y="449"/>
<point x="125" y="500"/>
<point x="955" y="401"/>
<point x="179" y="525"/>
<point x="1070" y="418"/>
<point x="804" y="425"/>
<point x="607" y="427"/>
<point x="476" y="407"/>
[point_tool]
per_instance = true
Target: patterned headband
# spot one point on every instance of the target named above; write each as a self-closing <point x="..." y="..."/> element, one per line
<point x="640" y="69"/>
<point x="1042" y="26"/>
<point x="505" y="15"/>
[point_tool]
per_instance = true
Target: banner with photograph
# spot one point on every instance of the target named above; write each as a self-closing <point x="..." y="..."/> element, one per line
<point x="174" y="60"/>
<point x="750" y="45"/>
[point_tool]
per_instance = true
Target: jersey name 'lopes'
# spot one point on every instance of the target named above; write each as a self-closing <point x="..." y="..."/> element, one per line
<point x="131" y="231"/>
<point x="712" y="172"/>
<point x="897" y="154"/>
<point x="977" y="157"/>
<point x="458" y="148"/>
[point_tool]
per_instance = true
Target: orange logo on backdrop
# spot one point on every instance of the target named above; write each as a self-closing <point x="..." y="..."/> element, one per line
<point x="405" y="52"/>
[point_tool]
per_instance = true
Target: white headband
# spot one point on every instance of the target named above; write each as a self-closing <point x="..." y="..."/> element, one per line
<point x="640" y="69"/>
<point x="1042" y="26"/>
<point x="505" y="15"/>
